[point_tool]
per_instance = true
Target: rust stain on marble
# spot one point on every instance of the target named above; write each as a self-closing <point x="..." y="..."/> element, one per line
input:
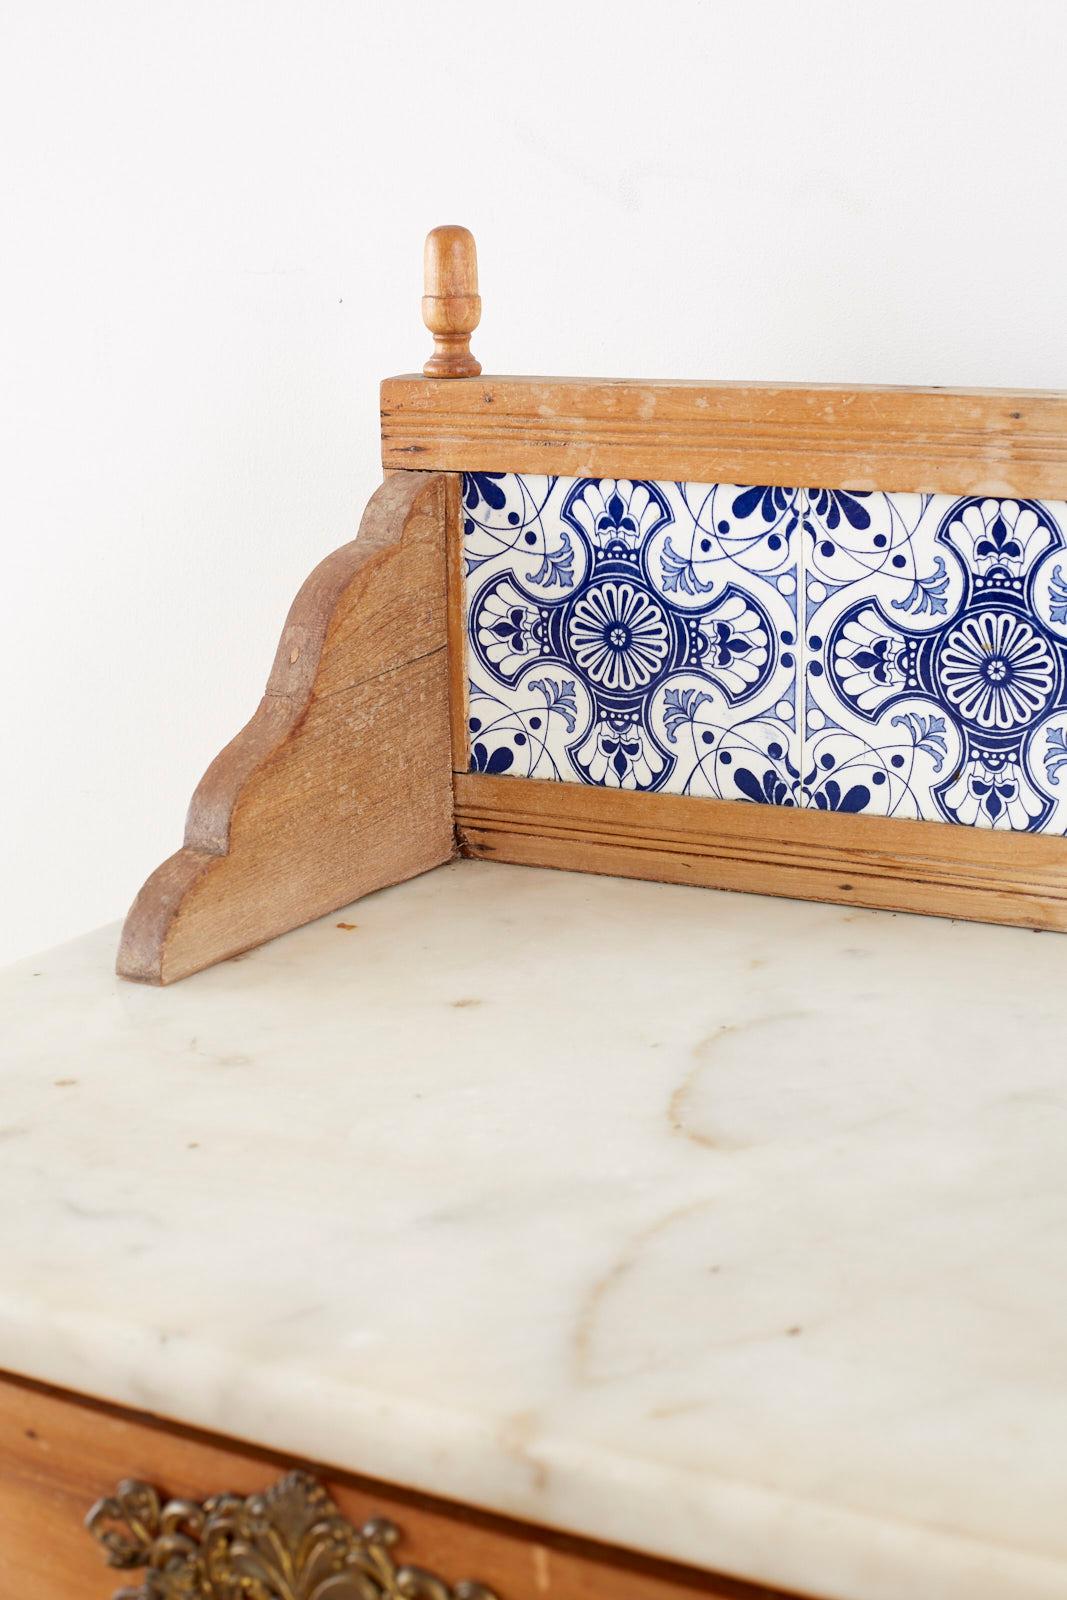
<point x="589" y="1313"/>
<point x="679" y="1106"/>
<point x="515" y="1435"/>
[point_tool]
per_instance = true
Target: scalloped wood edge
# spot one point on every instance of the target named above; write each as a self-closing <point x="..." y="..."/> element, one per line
<point x="341" y="782"/>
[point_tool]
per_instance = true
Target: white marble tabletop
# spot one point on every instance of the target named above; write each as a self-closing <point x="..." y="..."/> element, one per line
<point x="727" y="1228"/>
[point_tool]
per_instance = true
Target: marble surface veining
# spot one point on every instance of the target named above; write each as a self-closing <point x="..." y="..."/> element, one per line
<point x="731" y="1229"/>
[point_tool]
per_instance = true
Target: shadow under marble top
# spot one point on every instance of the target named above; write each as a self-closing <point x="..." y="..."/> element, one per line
<point x="727" y="1228"/>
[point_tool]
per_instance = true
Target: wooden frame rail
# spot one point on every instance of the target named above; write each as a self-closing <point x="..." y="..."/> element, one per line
<point x="950" y="441"/>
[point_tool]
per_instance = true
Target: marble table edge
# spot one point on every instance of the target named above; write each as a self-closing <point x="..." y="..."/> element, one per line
<point x="704" y="1520"/>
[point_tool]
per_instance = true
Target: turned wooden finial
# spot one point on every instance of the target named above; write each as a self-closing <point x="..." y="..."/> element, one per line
<point x="451" y="306"/>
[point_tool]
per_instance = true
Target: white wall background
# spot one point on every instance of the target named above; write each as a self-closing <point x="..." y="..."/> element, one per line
<point x="211" y="220"/>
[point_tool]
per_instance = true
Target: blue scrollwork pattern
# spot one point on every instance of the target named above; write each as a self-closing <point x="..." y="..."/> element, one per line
<point x="893" y="654"/>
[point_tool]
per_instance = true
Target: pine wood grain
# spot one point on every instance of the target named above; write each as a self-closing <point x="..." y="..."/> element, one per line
<point x="59" y="1454"/>
<point x="341" y="782"/>
<point x="458" y="677"/>
<point x="952" y="441"/>
<point x="930" y="867"/>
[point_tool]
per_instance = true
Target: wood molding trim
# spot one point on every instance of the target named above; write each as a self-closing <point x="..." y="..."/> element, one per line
<point x="341" y="782"/>
<point x="951" y="441"/>
<point x="930" y="867"/>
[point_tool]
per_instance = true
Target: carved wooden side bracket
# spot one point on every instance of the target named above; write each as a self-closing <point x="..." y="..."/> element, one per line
<point x="289" y="1543"/>
<point x="341" y="782"/>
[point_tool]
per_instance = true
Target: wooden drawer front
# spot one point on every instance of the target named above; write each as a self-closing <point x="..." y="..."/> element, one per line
<point x="59" y="1455"/>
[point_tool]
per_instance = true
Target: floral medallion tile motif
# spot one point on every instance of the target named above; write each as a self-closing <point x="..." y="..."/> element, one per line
<point x="893" y="654"/>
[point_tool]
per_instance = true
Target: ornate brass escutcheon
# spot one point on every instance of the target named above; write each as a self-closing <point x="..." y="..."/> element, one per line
<point x="288" y="1543"/>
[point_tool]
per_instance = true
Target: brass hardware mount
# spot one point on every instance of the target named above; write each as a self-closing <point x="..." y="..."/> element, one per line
<point x="289" y="1543"/>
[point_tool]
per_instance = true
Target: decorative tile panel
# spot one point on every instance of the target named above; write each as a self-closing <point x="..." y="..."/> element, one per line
<point x="894" y="654"/>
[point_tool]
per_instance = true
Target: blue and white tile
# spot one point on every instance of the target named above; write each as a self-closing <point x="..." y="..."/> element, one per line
<point x="898" y="655"/>
<point x="634" y="635"/>
<point x="935" y="681"/>
<point x="872" y="579"/>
